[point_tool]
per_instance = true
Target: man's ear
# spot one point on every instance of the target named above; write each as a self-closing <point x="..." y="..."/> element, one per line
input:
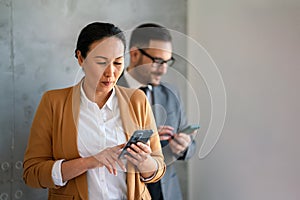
<point x="134" y="55"/>
<point x="79" y="58"/>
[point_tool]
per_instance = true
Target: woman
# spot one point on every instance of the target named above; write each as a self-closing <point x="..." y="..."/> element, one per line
<point x="78" y="132"/>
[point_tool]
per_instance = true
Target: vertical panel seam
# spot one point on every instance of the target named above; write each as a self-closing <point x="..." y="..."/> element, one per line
<point x="12" y="63"/>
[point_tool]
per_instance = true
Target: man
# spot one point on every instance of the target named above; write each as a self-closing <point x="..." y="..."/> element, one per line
<point x="150" y="56"/>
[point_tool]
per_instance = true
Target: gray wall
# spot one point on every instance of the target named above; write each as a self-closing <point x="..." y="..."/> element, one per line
<point x="256" y="45"/>
<point x="37" y="41"/>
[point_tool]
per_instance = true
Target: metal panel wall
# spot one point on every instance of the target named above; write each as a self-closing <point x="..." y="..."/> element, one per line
<point x="37" y="41"/>
<point x="7" y="101"/>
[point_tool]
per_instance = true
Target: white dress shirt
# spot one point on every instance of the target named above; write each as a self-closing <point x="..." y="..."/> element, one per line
<point x="132" y="83"/>
<point x="97" y="130"/>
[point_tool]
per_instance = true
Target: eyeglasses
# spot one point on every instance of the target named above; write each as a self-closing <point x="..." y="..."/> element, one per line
<point x="157" y="62"/>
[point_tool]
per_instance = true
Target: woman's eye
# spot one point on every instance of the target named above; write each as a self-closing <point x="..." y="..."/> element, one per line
<point x="117" y="63"/>
<point x="101" y="63"/>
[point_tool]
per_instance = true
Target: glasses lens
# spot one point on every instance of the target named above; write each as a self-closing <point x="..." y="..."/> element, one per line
<point x="159" y="62"/>
<point x="170" y="62"/>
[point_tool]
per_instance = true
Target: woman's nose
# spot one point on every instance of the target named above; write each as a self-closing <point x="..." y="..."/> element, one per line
<point x="109" y="70"/>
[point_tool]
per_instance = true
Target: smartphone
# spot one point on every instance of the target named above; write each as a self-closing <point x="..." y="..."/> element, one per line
<point x="190" y="129"/>
<point x="138" y="136"/>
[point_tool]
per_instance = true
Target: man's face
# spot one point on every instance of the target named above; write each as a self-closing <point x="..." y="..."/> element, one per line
<point x="151" y="72"/>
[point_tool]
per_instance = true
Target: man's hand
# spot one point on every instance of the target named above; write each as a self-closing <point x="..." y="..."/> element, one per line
<point x="180" y="143"/>
<point x="165" y="132"/>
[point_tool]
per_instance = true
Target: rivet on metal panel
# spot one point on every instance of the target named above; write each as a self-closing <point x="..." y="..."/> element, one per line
<point x="3" y="196"/>
<point x="19" y="164"/>
<point x="5" y="166"/>
<point x="18" y="194"/>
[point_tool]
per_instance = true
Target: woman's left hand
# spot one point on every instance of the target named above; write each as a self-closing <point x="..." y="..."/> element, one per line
<point x="141" y="158"/>
<point x="139" y="152"/>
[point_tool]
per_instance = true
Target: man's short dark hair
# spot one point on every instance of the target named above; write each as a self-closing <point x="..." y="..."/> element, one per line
<point x="142" y="35"/>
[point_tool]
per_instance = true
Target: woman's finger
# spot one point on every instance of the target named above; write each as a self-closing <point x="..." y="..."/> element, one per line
<point x="131" y="159"/>
<point x="121" y="164"/>
<point x="133" y="153"/>
<point x="106" y="163"/>
<point x="145" y="147"/>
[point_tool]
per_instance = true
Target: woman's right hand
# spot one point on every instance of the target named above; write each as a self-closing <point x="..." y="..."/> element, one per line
<point x="109" y="159"/>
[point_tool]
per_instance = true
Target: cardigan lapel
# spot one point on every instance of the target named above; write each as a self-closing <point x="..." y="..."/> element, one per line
<point x="69" y="135"/>
<point x="69" y="123"/>
<point x="130" y="124"/>
<point x="129" y="120"/>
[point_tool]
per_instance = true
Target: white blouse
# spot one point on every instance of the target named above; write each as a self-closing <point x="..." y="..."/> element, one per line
<point x="97" y="130"/>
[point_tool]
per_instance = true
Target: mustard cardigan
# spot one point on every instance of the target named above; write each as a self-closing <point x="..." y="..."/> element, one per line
<point x="53" y="136"/>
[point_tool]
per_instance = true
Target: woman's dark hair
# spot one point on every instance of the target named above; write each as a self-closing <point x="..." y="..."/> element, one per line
<point x="95" y="32"/>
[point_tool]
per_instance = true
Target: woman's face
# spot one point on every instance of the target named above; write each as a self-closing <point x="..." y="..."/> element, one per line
<point x="103" y="64"/>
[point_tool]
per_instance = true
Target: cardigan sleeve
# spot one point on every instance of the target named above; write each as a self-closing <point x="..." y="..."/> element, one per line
<point x="147" y="121"/>
<point x="38" y="158"/>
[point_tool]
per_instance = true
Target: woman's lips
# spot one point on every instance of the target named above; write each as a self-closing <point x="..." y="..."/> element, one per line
<point x="107" y="83"/>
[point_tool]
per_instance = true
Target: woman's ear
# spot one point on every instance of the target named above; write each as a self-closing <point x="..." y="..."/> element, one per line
<point x="79" y="58"/>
